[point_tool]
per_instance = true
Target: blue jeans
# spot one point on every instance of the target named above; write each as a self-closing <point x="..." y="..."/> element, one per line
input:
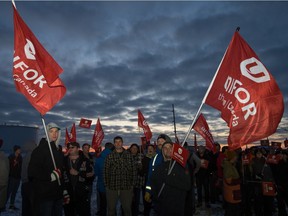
<point x="51" y="208"/>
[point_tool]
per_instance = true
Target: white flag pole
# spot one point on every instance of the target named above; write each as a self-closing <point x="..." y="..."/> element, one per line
<point x="49" y="145"/>
<point x="196" y="116"/>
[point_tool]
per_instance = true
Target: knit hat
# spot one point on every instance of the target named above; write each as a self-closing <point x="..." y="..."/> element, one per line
<point x="53" y="125"/>
<point x="165" y="137"/>
<point x="167" y="142"/>
<point x="230" y="155"/>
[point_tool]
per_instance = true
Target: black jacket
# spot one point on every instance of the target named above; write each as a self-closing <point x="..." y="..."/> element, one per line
<point x="40" y="168"/>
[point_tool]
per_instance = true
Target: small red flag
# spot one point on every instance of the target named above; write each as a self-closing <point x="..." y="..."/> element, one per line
<point x="67" y="138"/>
<point x="143" y="124"/>
<point x="247" y="95"/>
<point x="180" y="154"/>
<point x="85" y="123"/>
<point x="73" y="133"/>
<point x="98" y="135"/>
<point x="202" y="128"/>
<point x="35" y="72"/>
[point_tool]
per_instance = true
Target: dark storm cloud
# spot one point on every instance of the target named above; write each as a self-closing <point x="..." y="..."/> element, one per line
<point x="122" y="56"/>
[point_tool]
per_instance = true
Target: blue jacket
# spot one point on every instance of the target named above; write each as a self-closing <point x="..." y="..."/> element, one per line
<point x="99" y="169"/>
<point x="154" y="162"/>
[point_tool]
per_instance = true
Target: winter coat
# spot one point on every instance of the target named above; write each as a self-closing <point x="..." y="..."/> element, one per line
<point x="40" y="168"/>
<point x="99" y="169"/>
<point x="172" y="198"/>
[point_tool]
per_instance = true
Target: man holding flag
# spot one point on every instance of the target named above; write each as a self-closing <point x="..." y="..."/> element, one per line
<point x="36" y="76"/>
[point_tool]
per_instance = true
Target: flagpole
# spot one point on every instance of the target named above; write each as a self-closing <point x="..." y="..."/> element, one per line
<point x="50" y="149"/>
<point x="182" y="144"/>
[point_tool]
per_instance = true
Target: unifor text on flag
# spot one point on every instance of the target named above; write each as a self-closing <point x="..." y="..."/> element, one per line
<point x="35" y="72"/>
<point x="247" y="95"/>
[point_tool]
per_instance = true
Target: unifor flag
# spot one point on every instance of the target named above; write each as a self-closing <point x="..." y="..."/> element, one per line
<point x="85" y="123"/>
<point x="98" y="135"/>
<point x="202" y="127"/>
<point x="35" y="72"/>
<point x="180" y="154"/>
<point x="72" y="135"/>
<point x="247" y="95"/>
<point x="143" y="124"/>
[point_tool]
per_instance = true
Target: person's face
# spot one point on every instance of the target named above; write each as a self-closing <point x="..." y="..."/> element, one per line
<point x="150" y="150"/>
<point x="258" y="154"/>
<point x="86" y="148"/>
<point x="118" y="144"/>
<point x="18" y="151"/>
<point x="134" y="150"/>
<point x="53" y="134"/>
<point x="167" y="151"/>
<point x="73" y="150"/>
<point x="160" y="143"/>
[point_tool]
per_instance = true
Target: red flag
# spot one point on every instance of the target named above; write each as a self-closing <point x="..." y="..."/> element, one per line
<point x="73" y="133"/>
<point x="143" y="124"/>
<point x="247" y="95"/>
<point x="202" y="128"/>
<point x="180" y="154"/>
<point x="98" y="135"/>
<point x="67" y="138"/>
<point x="35" y="72"/>
<point x="85" y="123"/>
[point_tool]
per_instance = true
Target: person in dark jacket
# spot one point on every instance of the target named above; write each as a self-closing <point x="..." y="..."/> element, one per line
<point x="46" y="180"/>
<point x="15" y="161"/>
<point x="98" y="168"/>
<point x="77" y="182"/>
<point x="170" y="199"/>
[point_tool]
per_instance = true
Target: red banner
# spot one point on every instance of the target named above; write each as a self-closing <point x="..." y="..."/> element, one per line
<point x="85" y="123"/>
<point x="202" y="128"/>
<point x="247" y="95"/>
<point x="143" y="124"/>
<point x="67" y="138"/>
<point x="73" y="133"/>
<point x="98" y="135"/>
<point x="35" y="72"/>
<point x="180" y="154"/>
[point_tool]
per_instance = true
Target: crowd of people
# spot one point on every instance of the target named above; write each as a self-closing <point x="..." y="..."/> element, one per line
<point x="56" y="182"/>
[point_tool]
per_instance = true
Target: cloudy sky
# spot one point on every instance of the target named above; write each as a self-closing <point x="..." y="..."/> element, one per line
<point x="119" y="57"/>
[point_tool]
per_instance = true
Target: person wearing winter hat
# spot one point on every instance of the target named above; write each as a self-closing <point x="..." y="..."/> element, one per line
<point x="47" y="180"/>
<point x="156" y="160"/>
<point x="172" y="199"/>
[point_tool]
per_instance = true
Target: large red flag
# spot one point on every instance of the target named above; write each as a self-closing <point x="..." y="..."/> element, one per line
<point x="98" y="135"/>
<point x="85" y="123"/>
<point x="35" y="72"/>
<point x="247" y="95"/>
<point x="72" y="136"/>
<point x="202" y="128"/>
<point x="143" y="124"/>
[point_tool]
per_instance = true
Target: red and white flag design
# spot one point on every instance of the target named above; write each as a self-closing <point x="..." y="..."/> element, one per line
<point x="202" y="128"/>
<point x="180" y="154"/>
<point x="85" y="123"/>
<point x="98" y="135"/>
<point x="143" y="124"/>
<point x="35" y="72"/>
<point x="247" y="95"/>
